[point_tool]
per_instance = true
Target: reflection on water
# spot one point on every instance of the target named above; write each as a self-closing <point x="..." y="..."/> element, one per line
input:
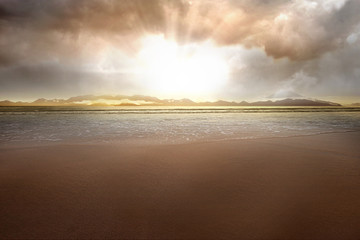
<point x="168" y="125"/>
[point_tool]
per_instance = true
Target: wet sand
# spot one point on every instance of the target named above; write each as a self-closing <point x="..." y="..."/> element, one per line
<point x="281" y="188"/>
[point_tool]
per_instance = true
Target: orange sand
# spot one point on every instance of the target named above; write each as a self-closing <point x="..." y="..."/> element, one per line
<point x="281" y="188"/>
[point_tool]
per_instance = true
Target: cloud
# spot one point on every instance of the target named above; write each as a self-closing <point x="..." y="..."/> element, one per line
<point x="44" y="45"/>
<point x="299" y="82"/>
<point x="52" y="80"/>
<point x="299" y="29"/>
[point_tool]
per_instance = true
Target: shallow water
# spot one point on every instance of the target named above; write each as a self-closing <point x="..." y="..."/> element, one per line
<point x="39" y="125"/>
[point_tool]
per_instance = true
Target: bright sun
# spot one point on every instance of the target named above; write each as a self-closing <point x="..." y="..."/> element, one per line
<point x="182" y="70"/>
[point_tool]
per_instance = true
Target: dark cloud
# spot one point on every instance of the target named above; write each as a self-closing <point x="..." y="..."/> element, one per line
<point x="73" y="16"/>
<point x="309" y="31"/>
<point x="41" y="28"/>
<point x="70" y="33"/>
<point x="294" y="29"/>
<point x="52" y="80"/>
<point x="4" y="13"/>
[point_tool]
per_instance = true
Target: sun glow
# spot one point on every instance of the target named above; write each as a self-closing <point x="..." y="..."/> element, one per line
<point x="182" y="70"/>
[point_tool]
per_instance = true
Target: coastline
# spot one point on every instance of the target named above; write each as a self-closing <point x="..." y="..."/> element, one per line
<point x="148" y="143"/>
<point x="280" y="188"/>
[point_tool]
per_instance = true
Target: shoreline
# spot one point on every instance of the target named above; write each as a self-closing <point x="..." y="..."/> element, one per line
<point x="146" y="143"/>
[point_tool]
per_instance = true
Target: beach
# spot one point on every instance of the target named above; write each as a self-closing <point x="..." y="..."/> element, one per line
<point x="294" y="187"/>
<point x="180" y="119"/>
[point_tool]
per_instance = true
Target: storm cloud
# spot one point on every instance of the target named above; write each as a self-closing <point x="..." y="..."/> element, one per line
<point x="294" y="29"/>
<point x="53" y="40"/>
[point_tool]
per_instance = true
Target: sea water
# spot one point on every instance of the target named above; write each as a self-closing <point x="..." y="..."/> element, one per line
<point x="160" y="125"/>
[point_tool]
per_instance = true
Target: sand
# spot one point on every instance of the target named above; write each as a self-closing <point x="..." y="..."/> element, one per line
<point x="281" y="188"/>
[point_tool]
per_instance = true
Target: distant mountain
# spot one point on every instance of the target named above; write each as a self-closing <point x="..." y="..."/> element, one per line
<point x="355" y="104"/>
<point x="294" y="102"/>
<point x="139" y="100"/>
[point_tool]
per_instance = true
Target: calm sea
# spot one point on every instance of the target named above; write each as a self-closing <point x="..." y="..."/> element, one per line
<point x="42" y="125"/>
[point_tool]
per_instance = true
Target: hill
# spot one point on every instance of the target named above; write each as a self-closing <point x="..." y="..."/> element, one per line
<point x="139" y="100"/>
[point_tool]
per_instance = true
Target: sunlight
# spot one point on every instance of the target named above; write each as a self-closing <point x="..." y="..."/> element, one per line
<point x="187" y="70"/>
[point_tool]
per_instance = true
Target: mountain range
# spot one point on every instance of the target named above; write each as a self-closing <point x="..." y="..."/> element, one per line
<point x="140" y="100"/>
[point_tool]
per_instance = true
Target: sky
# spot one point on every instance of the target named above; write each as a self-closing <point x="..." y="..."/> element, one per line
<point x="199" y="49"/>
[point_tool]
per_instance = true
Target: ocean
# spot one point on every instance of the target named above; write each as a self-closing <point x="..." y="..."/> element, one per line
<point x="170" y="125"/>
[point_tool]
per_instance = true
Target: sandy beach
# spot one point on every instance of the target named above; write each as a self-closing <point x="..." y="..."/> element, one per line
<point x="304" y="187"/>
